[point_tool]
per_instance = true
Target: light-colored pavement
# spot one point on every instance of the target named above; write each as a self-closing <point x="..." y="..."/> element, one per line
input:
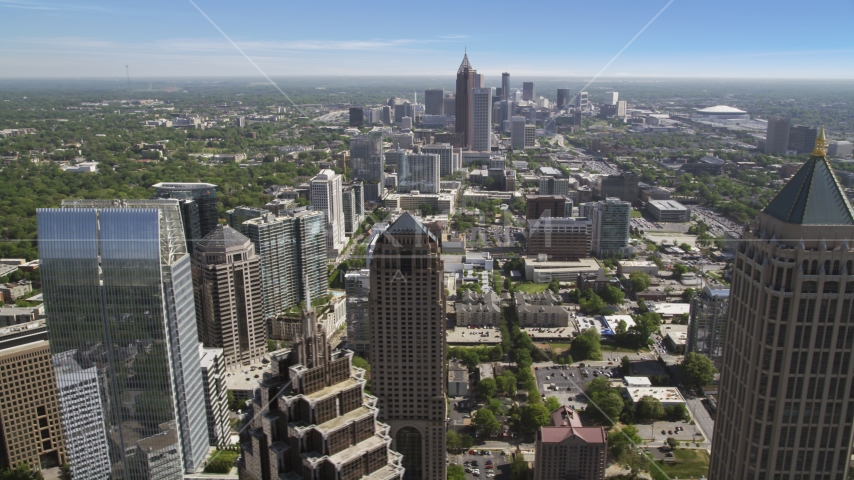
<point x="705" y="424"/>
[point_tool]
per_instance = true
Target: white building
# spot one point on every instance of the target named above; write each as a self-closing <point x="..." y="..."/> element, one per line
<point x="611" y="98"/>
<point x="82" y="417"/>
<point x="668" y="396"/>
<point x="216" y="397"/>
<point x="419" y="171"/>
<point x="668" y="211"/>
<point x="480" y="124"/>
<point x="82" y="167"/>
<point x="449" y="162"/>
<point x="326" y="197"/>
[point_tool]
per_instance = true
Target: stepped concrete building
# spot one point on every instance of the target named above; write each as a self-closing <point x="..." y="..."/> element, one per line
<point x="228" y="293"/>
<point x="407" y="312"/>
<point x="118" y="293"/>
<point x="786" y="408"/>
<point x="311" y="418"/>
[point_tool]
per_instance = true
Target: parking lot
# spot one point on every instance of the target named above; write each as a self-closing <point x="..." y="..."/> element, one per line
<point x="570" y="380"/>
<point x="500" y="466"/>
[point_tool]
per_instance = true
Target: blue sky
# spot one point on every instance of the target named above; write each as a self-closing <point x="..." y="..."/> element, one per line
<point x="717" y="38"/>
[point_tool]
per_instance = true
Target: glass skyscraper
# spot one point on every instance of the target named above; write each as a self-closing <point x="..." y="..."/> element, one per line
<point x="198" y="207"/>
<point x="117" y="283"/>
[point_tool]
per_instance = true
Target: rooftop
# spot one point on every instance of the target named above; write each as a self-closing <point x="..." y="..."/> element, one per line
<point x="222" y="237"/>
<point x="667" y="395"/>
<point x="720" y="109"/>
<point x="665" y="205"/>
<point x="813" y="196"/>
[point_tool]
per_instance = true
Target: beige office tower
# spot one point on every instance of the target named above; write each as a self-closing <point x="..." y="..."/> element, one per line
<point x="786" y="407"/>
<point x="229" y="303"/>
<point x="407" y="312"/>
<point x="29" y="411"/>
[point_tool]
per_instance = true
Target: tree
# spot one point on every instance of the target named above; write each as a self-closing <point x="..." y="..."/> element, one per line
<point x="592" y="303"/>
<point x="486" y="388"/>
<point x="672" y="442"/>
<point x="535" y="416"/>
<point x="506" y="383"/>
<point x="552" y="404"/>
<point x="679" y="270"/>
<point x="466" y="441"/>
<point x="452" y="440"/>
<point x="626" y="365"/>
<point x="456" y="472"/>
<point x="518" y="468"/>
<point x="676" y="413"/>
<point x="64" y="472"/>
<point x="612" y="295"/>
<point x="485" y="423"/>
<point x="640" y="281"/>
<point x="554" y="286"/>
<point x="21" y="472"/>
<point x="649" y="408"/>
<point x="623" y="440"/>
<point x="495" y="406"/>
<point x="597" y="385"/>
<point x="687" y="294"/>
<point x="586" y="347"/>
<point x="697" y="369"/>
<point x="685" y="247"/>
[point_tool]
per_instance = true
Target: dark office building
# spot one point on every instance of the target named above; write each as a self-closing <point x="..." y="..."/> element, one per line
<point x="562" y="98"/>
<point x="777" y="136"/>
<point x="434" y="102"/>
<point x="528" y="91"/>
<point x="357" y="116"/>
<point x="467" y="79"/>
<point x="802" y="138"/>
<point x="386" y="115"/>
<point x="546" y="205"/>
<point x="623" y="186"/>
<point x="505" y="85"/>
<point x="450" y="104"/>
<point x="198" y="207"/>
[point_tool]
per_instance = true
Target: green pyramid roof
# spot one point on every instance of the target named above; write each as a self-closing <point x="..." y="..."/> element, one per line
<point x="812" y="197"/>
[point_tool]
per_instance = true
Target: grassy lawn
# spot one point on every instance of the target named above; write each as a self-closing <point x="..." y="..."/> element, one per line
<point x="532" y="287"/>
<point x="689" y="463"/>
<point x="559" y="345"/>
<point x="636" y="214"/>
<point x="612" y="348"/>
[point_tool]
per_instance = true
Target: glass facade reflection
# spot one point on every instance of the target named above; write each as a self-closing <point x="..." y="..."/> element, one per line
<point x="117" y="284"/>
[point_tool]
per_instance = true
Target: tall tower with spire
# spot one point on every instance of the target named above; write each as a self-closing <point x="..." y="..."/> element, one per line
<point x="467" y="79"/>
<point x="786" y="403"/>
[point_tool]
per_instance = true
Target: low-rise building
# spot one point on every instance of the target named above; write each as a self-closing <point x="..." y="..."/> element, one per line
<point x="669" y="211"/>
<point x="560" y="238"/>
<point x="637" y="382"/>
<point x="14" y="291"/>
<point x="458" y="379"/>
<point x="626" y="267"/>
<point x="540" y="310"/>
<point x="668" y="396"/>
<point x="675" y="337"/>
<point x="413" y="201"/>
<point x="10" y="315"/>
<point x="481" y="310"/>
<point x="567" y="449"/>
<point x="539" y="269"/>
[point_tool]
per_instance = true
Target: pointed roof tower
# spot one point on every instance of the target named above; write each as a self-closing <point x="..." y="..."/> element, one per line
<point x="465" y="65"/>
<point x="813" y="196"/>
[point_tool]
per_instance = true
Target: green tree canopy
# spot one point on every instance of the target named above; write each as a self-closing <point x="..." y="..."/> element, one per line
<point x="456" y="472"/>
<point x="486" y="388"/>
<point x="697" y="369"/>
<point x="612" y="295"/>
<point x="640" y="281"/>
<point x="552" y="404"/>
<point x="649" y="408"/>
<point x="535" y="416"/>
<point x="485" y="423"/>
<point x="586" y="347"/>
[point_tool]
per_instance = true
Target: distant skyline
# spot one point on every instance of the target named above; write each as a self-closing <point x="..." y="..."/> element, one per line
<point x="726" y="38"/>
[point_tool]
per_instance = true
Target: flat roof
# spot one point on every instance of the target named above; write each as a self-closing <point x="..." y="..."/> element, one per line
<point x="665" y="205"/>
<point x="669" y="309"/>
<point x="668" y="395"/>
<point x="636" y="263"/>
<point x="720" y="109"/>
<point x="637" y="381"/>
<point x="611" y="321"/>
<point x="580" y="263"/>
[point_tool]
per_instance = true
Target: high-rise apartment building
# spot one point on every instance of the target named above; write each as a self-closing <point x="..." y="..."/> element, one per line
<point x="707" y="323"/>
<point x="237" y="215"/>
<point x="581" y="101"/>
<point x="562" y="98"/>
<point x="216" y="396"/>
<point x="560" y="238"/>
<point x="118" y="291"/>
<point x="450" y="104"/>
<point x="419" y="171"/>
<point x="505" y="86"/>
<point x="228" y="294"/>
<point x="480" y="122"/>
<point x="785" y="406"/>
<point x="352" y="219"/>
<point x="198" y="207"/>
<point x="517" y="132"/>
<point x="357" y="285"/>
<point x="407" y="314"/>
<point x="445" y="151"/>
<point x="611" y="98"/>
<point x="621" y="109"/>
<point x="293" y="257"/>
<point x="802" y="139"/>
<point x="611" y="221"/>
<point x="528" y="91"/>
<point x="777" y="136"/>
<point x="434" y="102"/>
<point x="326" y="198"/>
<point x="566" y="449"/>
<point x="366" y="156"/>
<point x="554" y="186"/>
<point x="311" y="418"/>
<point x="466" y="81"/>
<point x="30" y="430"/>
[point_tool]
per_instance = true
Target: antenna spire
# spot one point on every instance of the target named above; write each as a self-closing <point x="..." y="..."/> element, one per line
<point x="820" y="149"/>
